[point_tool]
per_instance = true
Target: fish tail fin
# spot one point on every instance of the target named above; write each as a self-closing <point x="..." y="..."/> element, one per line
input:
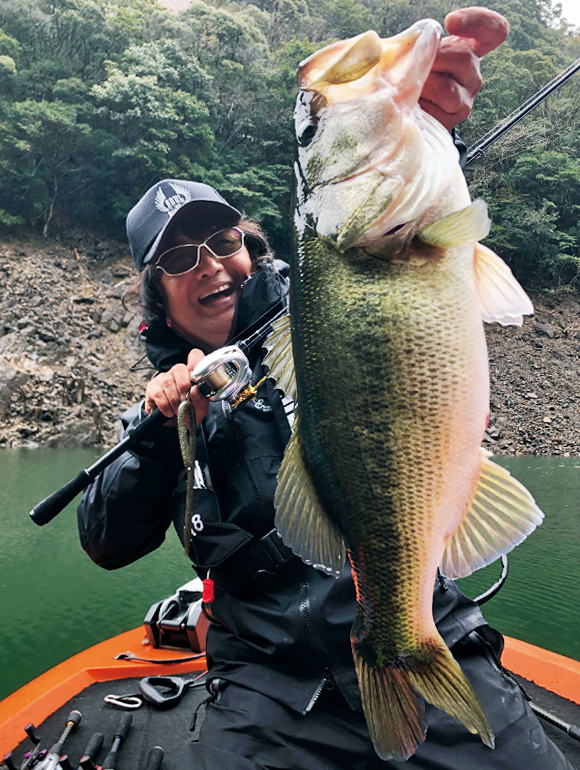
<point x="393" y="700"/>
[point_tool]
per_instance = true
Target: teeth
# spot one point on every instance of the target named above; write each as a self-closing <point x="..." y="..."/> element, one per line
<point x="217" y="290"/>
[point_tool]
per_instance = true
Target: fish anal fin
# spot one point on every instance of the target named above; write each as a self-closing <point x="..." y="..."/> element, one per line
<point x="300" y="519"/>
<point x="500" y="296"/>
<point x="393" y="700"/>
<point x="500" y="515"/>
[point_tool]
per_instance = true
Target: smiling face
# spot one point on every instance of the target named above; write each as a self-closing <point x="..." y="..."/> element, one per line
<point x="201" y="304"/>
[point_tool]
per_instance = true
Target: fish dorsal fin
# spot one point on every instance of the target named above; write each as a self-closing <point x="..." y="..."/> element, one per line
<point x="279" y="359"/>
<point x="468" y="225"/>
<point x="300" y="519"/>
<point x="500" y="515"/>
<point x="500" y="296"/>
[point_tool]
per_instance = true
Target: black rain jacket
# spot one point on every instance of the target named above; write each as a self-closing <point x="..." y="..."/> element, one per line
<point x="279" y="626"/>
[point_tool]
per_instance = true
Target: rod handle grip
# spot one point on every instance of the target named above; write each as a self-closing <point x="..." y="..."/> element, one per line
<point x="52" y="505"/>
<point x="94" y="746"/>
<point x="155" y="758"/>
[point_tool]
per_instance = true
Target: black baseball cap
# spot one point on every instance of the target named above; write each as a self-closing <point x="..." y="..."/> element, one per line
<point x="165" y="203"/>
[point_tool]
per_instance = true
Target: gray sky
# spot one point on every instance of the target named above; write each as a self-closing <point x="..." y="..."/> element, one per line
<point x="571" y="11"/>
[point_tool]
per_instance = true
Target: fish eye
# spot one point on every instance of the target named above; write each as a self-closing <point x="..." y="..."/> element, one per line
<point x="306" y="132"/>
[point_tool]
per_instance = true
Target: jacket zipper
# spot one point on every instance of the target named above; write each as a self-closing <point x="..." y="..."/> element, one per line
<point x="317" y="644"/>
<point x="315" y="696"/>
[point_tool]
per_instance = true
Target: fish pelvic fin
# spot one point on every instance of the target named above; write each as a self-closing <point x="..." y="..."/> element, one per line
<point x="393" y="699"/>
<point x="300" y="519"/>
<point x="500" y="515"/>
<point x="279" y="359"/>
<point x="468" y="225"/>
<point x="500" y="296"/>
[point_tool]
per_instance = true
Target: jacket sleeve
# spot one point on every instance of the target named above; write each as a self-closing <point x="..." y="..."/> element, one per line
<point x="461" y="148"/>
<point x="125" y="512"/>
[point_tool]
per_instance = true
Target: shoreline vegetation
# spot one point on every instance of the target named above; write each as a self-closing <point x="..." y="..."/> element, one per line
<point x="67" y="345"/>
<point x="101" y="98"/>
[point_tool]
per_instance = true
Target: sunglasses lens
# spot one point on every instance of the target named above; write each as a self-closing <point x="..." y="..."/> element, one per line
<point x="226" y="243"/>
<point x="179" y="260"/>
<point x="182" y="259"/>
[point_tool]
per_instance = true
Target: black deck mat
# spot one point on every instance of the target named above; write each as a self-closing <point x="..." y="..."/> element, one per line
<point x="170" y="729"/>
<point x="560" y="707"/>
<point x="150" y="727"/>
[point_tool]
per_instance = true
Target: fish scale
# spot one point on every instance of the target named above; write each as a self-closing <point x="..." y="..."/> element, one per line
<point x="388" y="290"/>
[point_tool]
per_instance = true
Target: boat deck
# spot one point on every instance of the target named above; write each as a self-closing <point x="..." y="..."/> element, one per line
<point x="150" y="727"/>
<point x="171" y="729"/>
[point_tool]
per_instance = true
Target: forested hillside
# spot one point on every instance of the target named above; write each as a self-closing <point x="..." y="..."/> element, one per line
<point x="101" y="98"/>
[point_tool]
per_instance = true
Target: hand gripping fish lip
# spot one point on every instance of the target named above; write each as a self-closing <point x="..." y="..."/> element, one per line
<point x="363" y="140"/>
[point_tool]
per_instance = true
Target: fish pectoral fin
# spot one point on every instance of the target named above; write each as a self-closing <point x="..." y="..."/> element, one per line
<point x="500" y="515"/>
<point x="468" y="225"/>
<point x="279" y="359"/>
<point x="393" y="701"/>
<point x="300" y="519"/>
<point x="500" y="296"/>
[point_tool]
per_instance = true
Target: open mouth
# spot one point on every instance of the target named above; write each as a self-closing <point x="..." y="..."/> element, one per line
<point x="217" y="294"/>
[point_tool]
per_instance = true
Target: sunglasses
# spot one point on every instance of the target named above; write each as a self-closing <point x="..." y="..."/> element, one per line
<point x="183" y="259"/>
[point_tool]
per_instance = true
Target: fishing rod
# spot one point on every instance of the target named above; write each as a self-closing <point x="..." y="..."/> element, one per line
<point x="222" y="375"/>
<point x="476" y="150"/>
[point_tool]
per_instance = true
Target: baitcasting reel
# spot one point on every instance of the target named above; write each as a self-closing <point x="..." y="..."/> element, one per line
<point x="225" y="375"/>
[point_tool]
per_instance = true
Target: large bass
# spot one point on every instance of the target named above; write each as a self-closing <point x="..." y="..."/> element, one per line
<point x="388" y="291"/>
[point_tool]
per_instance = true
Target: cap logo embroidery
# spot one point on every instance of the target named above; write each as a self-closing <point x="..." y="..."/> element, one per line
<point x="172" y="203"/>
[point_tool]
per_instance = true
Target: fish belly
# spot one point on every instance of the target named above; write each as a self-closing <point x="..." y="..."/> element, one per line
<point x="393" y="396"/>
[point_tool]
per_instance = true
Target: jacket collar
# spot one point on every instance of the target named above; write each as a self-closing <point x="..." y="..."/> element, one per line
<point x="165" y="347"/>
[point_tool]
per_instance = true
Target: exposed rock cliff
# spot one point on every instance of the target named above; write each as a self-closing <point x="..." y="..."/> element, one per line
<point x="67" y="345"/>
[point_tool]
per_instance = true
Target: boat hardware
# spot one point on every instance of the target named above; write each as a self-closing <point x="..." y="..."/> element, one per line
<point x="128" y="702"/>
<point x="494" y="589"/>
<point x="164" y="692"/>
<point x="131" y="656"/>
<point x="52" y="759"/>
<point x="123" y="727"/>
<point x="52" y="505"/>
<point x="92" y="749"/>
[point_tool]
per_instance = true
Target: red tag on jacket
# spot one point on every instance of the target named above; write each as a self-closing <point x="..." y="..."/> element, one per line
<point x="207" y="593"/>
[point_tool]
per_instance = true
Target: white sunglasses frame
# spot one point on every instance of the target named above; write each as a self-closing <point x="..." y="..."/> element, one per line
<point x="199" y="246"/>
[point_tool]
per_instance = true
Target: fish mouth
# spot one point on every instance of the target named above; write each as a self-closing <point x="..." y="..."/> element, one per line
<point x="370" y="161"/>
<point x="358" y="66"/>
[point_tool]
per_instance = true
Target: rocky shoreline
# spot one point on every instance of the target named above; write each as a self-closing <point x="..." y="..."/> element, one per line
<point x="67" y="346"/>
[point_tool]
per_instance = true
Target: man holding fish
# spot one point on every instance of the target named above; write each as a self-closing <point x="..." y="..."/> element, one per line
<point x="382" y="464"/>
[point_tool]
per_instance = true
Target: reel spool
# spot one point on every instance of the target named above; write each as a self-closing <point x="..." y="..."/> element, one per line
<point x="223" y="374"/>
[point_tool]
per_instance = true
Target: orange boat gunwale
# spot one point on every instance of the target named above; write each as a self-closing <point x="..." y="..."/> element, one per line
<point x="42" y="696"/>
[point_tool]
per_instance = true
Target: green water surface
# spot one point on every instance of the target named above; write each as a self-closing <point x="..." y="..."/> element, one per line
<point x="55" y="602"/>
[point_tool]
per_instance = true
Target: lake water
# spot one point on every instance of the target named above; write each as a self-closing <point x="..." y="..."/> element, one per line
<point x="54" y="601"/>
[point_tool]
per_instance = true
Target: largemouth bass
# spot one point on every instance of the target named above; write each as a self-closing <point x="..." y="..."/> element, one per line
<point x="386" y="360"/>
